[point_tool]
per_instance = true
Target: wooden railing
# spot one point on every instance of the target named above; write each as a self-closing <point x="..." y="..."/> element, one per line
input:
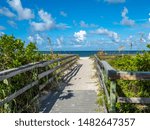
<point x="106" y="72"/>
<point x="63" y="64"/>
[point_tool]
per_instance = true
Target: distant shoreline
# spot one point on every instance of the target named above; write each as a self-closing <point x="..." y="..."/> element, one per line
<point x="89" y="53"/>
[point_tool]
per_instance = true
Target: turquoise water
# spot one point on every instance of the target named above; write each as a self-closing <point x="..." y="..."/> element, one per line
<point x="89" y="53"/>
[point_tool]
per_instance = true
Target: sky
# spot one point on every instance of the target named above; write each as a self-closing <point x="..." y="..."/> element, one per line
<point x="66" y="25"/>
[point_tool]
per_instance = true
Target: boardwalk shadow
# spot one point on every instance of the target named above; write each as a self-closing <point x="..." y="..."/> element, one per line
<point x="66" y="95"/>
<point x="73" y="73"/>
<point x="47" y="104"/>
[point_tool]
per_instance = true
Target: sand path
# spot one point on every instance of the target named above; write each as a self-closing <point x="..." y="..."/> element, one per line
<point x="78" y="93"/>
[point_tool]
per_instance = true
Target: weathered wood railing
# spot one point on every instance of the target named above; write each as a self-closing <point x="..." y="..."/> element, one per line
<point x="62" y="65"/>
<point x="106" y="72"/>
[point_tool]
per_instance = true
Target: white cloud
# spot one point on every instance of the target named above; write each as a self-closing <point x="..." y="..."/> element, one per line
<point x="46" y="24"/>
<point x="62" y="13"/>
<point x="36" y="38"/>
<point x="23" y="13"/>
<point x="59" y="41"/>
<point x="85" y="25"/>
<point x="31" y="39"/>
<point x="45" y="16"/>
<point x="77" y="46"/>
<point x="113" y="35"/>
<point x="125" y="19"/>
<point x="40" y="26"/>
<point x="115" y="1"/>
<point x="39" y="39"/>
<point x="142" y="40"/>
<point x="2" y="28"/>
<point x="148" y="37"/>
<point x="12" y="23"/>
<point x="62" y="26"/>
<point x="74" y="23"/>
<point x="80" y="36"/>
<point x="6" y="12"/>
<point x="2" y="33"/>
<point x="129" y="39"/>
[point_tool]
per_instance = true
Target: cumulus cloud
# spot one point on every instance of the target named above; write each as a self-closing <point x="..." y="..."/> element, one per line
<point x="36" y="38"/>
<point x="62" y="13"/>
<point x="113" y="35"/>
<point x="125" y="19"/>
<point x="2" y="28"/>
<point x="115" y="1"/>
<point x="85" y="25"/>
<point x="6" y="12"/>
<point x="80" y="36"/>
<point x="23" y="13"/>
<point x="46" y="24"/>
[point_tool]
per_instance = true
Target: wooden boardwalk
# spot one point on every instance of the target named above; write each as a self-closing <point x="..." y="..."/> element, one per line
<point x="78" y="91"/>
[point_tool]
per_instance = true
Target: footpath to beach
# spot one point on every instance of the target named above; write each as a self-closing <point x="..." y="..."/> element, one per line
<point x="78" y="91"/>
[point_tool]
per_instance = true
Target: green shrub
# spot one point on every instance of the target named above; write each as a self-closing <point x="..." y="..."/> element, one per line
<point x="139" y="62"/>
<point x="13" y="53"/>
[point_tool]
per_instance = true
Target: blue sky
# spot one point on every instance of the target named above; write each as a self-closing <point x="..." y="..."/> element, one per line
<point x="78" y="24"/>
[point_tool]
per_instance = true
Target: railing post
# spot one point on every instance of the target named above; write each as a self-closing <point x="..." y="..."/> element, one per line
<point x="113" y="96"/>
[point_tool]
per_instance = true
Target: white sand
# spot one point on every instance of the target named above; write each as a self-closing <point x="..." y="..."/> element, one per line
<point x="85" y="79"/>
<point x="82" y="58"/>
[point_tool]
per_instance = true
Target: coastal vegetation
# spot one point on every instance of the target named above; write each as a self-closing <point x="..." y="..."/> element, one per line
<point x="138" y="88"/>
<point x="14" y="53"/>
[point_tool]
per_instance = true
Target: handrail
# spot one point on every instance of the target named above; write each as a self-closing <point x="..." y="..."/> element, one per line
<point x="131" y="75"/>
<point x="12" y="72"/>
<point x="103" y="66"/>
<point x="113" y="75"/>
<point x="71" y="59"/>
<point x="110" y="71"/>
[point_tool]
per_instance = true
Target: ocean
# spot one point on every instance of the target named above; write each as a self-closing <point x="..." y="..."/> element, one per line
<point x="90" y="53"/>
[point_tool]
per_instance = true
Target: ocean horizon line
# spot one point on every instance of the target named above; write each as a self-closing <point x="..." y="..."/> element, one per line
<point x="89" y="53"/>
<point x="89" y="50"/>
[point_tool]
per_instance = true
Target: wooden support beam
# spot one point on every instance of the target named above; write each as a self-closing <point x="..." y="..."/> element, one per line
<point x="139" y="100"/>
<point x="128" y="75"/>
<point x="102" y="83"/>
<point x="19" y="92"/>
<point x="112" y="96"/>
